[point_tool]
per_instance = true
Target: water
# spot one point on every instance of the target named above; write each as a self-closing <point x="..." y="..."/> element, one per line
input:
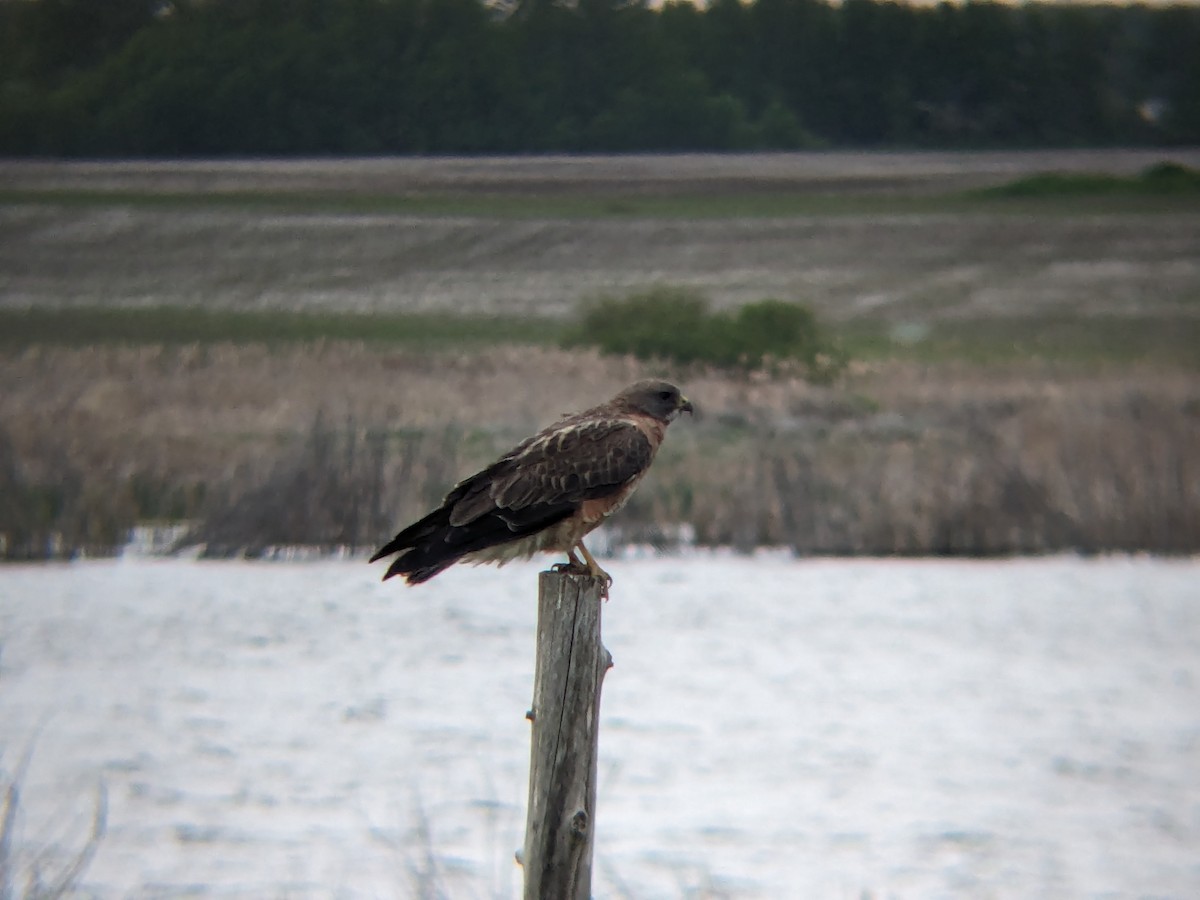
<point x="772" y="728"/>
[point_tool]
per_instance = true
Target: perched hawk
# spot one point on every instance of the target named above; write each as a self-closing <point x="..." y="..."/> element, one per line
<point x="546" y="493"/>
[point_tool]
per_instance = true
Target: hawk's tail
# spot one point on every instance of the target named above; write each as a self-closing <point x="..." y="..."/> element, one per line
<point x="417" y="575"/>
<point x="433" y="544"/>
<point x="423" y="547"/>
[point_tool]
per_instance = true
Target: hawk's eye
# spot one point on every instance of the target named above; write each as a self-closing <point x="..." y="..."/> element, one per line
<point x="665" y="395"/>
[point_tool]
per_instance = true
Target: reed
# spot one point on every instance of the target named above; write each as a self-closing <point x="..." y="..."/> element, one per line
<point x="336" y="444"/>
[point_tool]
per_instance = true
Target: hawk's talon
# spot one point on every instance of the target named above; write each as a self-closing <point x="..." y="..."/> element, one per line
<point x="585" y="566"/>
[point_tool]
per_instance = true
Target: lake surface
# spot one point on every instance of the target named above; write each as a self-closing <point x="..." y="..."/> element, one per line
<point x="771" y="728"/>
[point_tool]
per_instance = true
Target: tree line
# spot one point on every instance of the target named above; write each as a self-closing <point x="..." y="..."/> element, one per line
<point x="215" y="77"/>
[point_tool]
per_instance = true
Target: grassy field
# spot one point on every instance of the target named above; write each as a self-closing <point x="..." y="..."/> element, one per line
<point x="1096" y="340"/>
<point x="86" y="326"/>
<point x="197" y="339"/>
<point x="873" y="239"/>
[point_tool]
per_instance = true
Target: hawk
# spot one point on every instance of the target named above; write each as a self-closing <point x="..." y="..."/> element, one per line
<point x="546" y="493"/>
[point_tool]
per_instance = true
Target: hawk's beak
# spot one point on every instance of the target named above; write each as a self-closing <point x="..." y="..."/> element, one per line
<point x="685" y="405"/>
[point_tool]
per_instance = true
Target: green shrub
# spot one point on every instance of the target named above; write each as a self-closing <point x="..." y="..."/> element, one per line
<point x="773" y="329"/>
<point x="675" y="324"/>
<point x="667" y="323"/>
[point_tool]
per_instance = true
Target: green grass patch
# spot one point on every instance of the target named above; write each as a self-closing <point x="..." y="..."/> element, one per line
<point x="187" y="325"/>
<point x="1165" y="179"/>
<point x="718" y="204"/>
<point x="1170" y="342"/>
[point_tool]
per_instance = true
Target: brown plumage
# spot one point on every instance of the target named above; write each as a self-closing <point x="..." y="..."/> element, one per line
<point x="546" y="493"/>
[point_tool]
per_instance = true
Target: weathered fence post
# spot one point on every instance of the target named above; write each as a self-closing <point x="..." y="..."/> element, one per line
<point x="568" y="673"/>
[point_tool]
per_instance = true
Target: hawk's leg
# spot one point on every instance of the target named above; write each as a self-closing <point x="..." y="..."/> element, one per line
<point x="593" y="568"/>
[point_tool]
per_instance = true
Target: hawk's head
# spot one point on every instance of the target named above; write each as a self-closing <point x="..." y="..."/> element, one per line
<point x="658" y="399"/>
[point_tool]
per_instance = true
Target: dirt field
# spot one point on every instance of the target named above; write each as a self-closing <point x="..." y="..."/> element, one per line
<point x="900" y="266"/>
<point x="902" y="173"/>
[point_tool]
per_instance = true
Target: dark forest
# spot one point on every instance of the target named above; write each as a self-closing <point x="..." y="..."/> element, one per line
<point x="280" y="77"/>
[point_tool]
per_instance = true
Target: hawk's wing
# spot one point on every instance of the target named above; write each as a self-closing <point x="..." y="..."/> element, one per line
<point x="570" y="463"/>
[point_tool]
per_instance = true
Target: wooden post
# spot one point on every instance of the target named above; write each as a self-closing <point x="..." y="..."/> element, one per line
<point x="568" y="673"/>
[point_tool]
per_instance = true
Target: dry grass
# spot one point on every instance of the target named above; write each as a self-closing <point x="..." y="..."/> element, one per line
<point x="42" y="871"/>
<point x="899" y="458"/>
